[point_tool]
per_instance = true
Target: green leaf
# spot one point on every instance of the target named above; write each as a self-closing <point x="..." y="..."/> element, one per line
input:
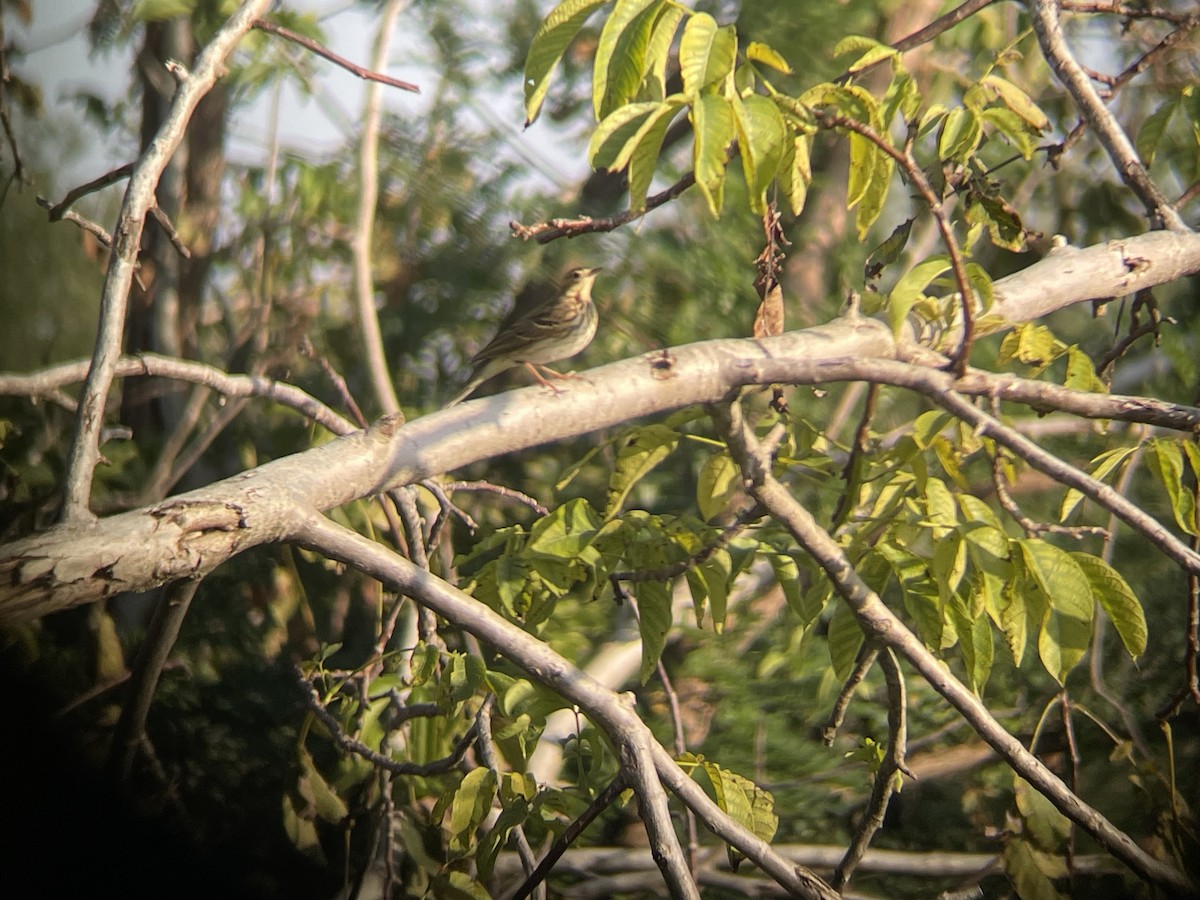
<point x="1105" y="464"/>
<point x="654" y="621"/>
<point x="621" y="54"/>
<point x="160" y="10"/>
<point x="466" y="673"/>
<point x="645" y="449"/>
<point x="472" y="802"/>
<point x="1049" y="828"/>
<point x="613" y="140"/>
<point x="975" y="645"/>
<point x="644" y="158"/>
<point x="1034" y="345"/>
<point x="761" y="134"/>
<point x="1081" y="374"/>
<point x="713" y="127"/>
<point x="889" y="251"/>
<point x="548" y="46"/>
<point x="566" y="531"/>
<point x="1118" y="601"/>
<point x="874" y="195"/>
<point x="1021" y="866"/>
<point x="795" y="171"/>
<point x="707" y="53"/>
<point x="658" y="51"/>
<point x="871" y="50"/>
<point x="1066" y="627"/>
<point x="845" y="638"/>
<point x="960" y="136"/>
<point x="719" y="481"/>
<point x="1013" y="127"/>
<point x="740" y="798"/>
<point x="327" y="805"/>
<point x="1016" y="100"/>
<point x="1166" y="459"/>
<point x="717" y="572"/>
<point x="768" y="56"/>
<point x="910" y="289"/>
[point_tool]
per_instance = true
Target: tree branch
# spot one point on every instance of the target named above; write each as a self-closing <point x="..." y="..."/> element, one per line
<point x="139" y="197"/>
<point x="880" y="623"/>
<point x="612" y="713"/>
<point x="1044" y="14"/>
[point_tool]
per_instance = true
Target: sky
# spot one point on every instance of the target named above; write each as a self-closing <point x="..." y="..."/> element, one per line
<point x="58" y="58"/>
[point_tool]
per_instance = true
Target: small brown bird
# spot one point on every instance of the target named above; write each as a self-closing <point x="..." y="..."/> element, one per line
<point x="551" y="331"/>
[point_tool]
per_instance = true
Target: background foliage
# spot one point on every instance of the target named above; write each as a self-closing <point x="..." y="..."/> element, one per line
<point x="244" y="773"/>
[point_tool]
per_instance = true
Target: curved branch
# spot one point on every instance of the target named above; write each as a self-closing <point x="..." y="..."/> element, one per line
<point x="1114" y="140"/>
<point x="46" y="381"/>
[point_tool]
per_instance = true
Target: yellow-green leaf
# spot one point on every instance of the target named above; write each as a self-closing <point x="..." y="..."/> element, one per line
<point x="761" y="134"/>
<point x="1118" y="601"/>
<point x="549" y="44"/>
<point x="621" y="54"/>
<point x="768" y="56"/>
<point x="707" y="53"/>
<point x="713" y="127"/>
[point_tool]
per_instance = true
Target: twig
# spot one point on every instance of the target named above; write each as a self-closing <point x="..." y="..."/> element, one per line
<point x="58" y="211"/>
<point x="85" y="448"/>
<point x="160" y="638"/>
<point x="362" y="243"/>
<point x="545" y="232"/>
<point x="890" y="768"/>
<point x="613" y="714"/>
<point x="1124" y="10"/>
<point x="357" y="747"/>
<point x="152" y="364"/>
<point x="867" y="655"/>
<point x="1030" y="527"/>
<point x="502" y="491"/>
<point x="321" y="50"/>
<point x="674" y="570"/>
<point x="168" y="227"/>
<point x="1068" y="725"/>
<point x="570" y="834"/>
<point x="1044" y="15"/>
<point x="680" y="749"/>
<point x="916" y="175"/>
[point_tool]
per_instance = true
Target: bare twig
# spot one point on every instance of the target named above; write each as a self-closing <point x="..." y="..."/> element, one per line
<point x="1044" y="15"/>
<point x="151" y="364"/>
<point x="500" y="490"/>
<point x="916" y="175"/>
<point x="570" y="834"/>
<point x="545" y="232"/>
<point x="168" y="227"/>
<point x="322" y="50"/>
<point x="867" y="655"/>
<point x="361" y="244"/>
<point x="160" y="638"/>
<point x="1030" y="527"/>
<point x="612" y="714"/>
<point x="357" y="747"/>
<point x="486" y="747"/>
<point x="59" y="210"/>
<point x="890" y="768"/>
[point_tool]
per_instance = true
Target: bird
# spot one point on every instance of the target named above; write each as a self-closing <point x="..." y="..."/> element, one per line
<point x="553" y="330"/>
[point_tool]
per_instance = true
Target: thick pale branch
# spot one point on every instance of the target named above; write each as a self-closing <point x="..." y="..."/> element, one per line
<point x="881" y="624"/>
